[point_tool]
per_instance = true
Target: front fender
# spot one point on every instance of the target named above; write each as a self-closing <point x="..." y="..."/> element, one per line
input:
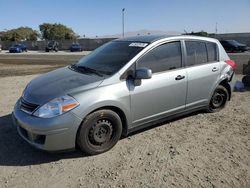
<point x="116" y="95"/>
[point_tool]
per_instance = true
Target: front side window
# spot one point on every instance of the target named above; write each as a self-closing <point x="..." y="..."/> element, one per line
<point x="162" y="58"/>
<point x="112" y="56"/>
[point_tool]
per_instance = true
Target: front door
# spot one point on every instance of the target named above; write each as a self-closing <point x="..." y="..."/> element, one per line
<point x="163" y="94"/>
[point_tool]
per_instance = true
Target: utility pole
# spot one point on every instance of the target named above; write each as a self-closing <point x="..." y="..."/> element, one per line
<point x="123" y="10"/>
<point x="216" y="29"/>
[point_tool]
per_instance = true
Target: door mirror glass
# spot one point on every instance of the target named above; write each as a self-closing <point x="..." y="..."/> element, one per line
<point x="143" y="73"/>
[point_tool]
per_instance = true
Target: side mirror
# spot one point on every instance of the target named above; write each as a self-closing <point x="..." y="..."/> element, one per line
<point x="143" y="73"/>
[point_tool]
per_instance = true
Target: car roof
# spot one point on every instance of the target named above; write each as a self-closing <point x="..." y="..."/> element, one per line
<point x="153" y="38"/>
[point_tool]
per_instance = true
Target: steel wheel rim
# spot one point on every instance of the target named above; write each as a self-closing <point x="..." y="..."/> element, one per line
<point x="218" y="99"/>
<point x="101" y="132"/>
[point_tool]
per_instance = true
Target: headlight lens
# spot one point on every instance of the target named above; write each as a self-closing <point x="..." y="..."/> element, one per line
<point x="56" y="107"/>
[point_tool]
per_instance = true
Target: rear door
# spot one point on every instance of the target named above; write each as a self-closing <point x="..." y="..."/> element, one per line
<point x="165" y="92"/>
<point x="203" y="71"/>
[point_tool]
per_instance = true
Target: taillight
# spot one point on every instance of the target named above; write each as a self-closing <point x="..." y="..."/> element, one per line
<point x="231" y="63"/>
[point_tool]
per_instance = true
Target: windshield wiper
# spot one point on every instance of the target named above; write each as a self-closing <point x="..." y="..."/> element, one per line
<point x="87" y="69"/>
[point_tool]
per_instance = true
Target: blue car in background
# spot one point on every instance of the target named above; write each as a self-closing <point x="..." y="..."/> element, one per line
<point x="75" y="47"/>
<point x="18" y="48"/>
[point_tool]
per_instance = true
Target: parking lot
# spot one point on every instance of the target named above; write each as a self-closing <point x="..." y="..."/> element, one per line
<point x="198" y="150"/>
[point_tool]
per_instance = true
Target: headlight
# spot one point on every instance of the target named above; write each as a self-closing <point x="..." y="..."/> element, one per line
<point x="56" y="107"/>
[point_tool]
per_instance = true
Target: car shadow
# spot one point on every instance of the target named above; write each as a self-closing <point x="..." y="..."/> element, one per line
<point x="14" y="151"/>
<point x="164" y="122"/>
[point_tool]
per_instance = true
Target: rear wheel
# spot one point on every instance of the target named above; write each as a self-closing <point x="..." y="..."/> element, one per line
<point x="99" y="132"/>
<point x="219" y="99"/>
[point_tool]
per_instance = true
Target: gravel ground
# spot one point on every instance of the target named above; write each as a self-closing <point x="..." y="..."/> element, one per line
<point x="34" y="62"/>
<point x="199" y="150"/>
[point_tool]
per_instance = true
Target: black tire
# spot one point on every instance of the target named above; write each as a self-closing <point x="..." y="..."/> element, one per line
<point x="218" y="100"/>
<point x="99" y="132"/>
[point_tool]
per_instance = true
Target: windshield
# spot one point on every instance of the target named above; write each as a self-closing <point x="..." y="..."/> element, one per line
<point x="17" y="45"/>
<point x="112" y="56"/>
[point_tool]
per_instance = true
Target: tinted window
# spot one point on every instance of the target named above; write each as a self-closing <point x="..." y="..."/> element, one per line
<point x="112" y="56"/>
<point x="212" y="51"/>
<point x="162" y="58"/>
<point x="196" y="52"/>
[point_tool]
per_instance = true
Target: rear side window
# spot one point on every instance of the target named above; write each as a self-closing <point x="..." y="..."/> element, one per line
<point x="162" y="58"/>
<point x="212" y="51"/>
<point x="196" y="52"/>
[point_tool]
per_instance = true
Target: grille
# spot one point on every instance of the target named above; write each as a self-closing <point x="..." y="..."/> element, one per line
<point x="27" y="107"/>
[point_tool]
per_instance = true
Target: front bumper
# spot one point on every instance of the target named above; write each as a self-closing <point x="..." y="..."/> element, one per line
<point x="49" y="134"/>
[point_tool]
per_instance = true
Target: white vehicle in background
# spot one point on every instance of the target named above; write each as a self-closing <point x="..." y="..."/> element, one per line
<point x="0" y="47"/>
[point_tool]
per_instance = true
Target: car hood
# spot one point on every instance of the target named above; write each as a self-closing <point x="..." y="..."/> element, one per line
<point x="58" y="83"/>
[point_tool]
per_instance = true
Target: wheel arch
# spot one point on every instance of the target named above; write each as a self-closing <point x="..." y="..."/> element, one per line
<point x="120" y="113"/>
<point x="117" y="110"/>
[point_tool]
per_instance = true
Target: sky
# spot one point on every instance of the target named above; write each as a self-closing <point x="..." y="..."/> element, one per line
<point x="104" y="17"/>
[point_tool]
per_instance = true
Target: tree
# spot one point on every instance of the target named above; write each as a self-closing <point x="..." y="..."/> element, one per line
<point x="28" y="33"/>
<point x="56" y="31"/>
<point x="18" y="34"/>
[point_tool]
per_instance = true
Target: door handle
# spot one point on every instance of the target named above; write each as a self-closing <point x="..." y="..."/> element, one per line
<point x="215" y="69"/>
<point x="179" y="77"/>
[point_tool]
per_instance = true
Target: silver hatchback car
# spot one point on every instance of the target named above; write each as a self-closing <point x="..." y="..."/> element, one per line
<point x="120" y="87"/>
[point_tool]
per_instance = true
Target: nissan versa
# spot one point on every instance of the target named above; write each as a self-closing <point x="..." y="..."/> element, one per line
<point x="122" y="86"/>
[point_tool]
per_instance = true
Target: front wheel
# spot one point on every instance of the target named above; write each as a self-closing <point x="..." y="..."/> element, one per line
<point x="99" y="132"/>
<point x="219" y="99"/>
